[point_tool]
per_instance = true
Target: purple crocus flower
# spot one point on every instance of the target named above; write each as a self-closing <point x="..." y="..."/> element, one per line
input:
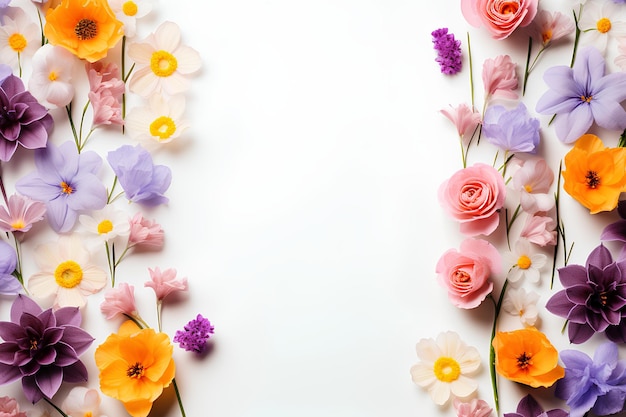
<point x="529" y="407"/>
<point x="593" y="298"/>
<point x="598" y="385"/>
<point x="195" y="334"/>
<point x="41" y="347"/>
<point x="511" y="130"/>
<point x="142" y="181"/>
<point x="448" y="51"/>
<point x="23" y="120"/>
<point x="584" y="94"/>
<point x="616" y="232"/>
<point x="66" y="182"/>
<point x="8" y="262"/>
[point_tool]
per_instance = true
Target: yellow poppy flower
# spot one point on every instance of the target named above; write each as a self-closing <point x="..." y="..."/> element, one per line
<point x="527" y="356"/>
<point x="135" y="365"/>
<point x="87" y="28"/>
<point x="595" y="175"/>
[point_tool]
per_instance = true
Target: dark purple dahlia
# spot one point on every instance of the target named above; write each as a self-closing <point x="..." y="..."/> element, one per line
<point x="42" y="348"/>
<point x="593" y="298"/>
<point x="23" y="120"/>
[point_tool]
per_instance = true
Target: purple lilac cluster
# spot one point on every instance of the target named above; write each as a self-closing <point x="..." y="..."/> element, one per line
<point x="448" y="51"/>
<point x="195" y="334"/>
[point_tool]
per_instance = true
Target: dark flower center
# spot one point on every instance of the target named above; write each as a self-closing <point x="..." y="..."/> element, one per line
<point x="7" y="116"/>
<point x="86" y="29"/>
<point x="135" y="371"/>
<point x="462" y="276"/>
<point x="34" y="344"/>
<point x="524" y="361"/>
<point x="592" y="179"/>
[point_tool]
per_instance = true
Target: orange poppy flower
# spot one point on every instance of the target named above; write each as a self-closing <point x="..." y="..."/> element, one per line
<point x="87" y="28"/>
<point x="135" y="365"/>
<point x="595" y="175"/>
<point x="528" y="357"/>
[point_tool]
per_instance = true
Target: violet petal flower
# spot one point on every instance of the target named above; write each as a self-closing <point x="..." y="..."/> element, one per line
<point x="596" y="384"/>
<point x="195" y="334"/>
<point x="8" y="262"/>
<point x="529" y="407"/>
<point x="66" y="182"/>
<point x="41" y="347"/>
<point x="511" y="130"/>
<point x="584" y="94"/>
<point x="616" y="232"/>
<point x="23" y="120"/>
<point x="142" y="181"/>
<point x="594" y="296"/>
<point x="448" y="51"/>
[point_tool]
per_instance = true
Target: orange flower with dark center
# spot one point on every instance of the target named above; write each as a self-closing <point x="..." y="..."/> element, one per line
<point x="527" y="356"/>
<point x="595" y="175"/>
<point x="87" y="28"/>
<point x="135" y="365"/>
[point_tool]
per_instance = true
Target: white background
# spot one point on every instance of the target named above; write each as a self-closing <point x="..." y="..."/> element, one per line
<point x="304" y="207"/>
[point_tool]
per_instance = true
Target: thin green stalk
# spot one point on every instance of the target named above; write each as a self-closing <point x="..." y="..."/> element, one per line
<point x="180" y="400"/>
<point x="576" y="36"/>
<point x="492" y="351"/>
<point x="46" y="399"/>
<point x="509" y="223"/>
<point x="471" y="69"/>
<point x="527" y="69"/>
<point x="68" y="109"/>
<point x="557" y="196"/>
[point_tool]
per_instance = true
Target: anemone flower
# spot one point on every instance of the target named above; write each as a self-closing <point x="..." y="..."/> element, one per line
<point x="593" y="298"/>
<point x="533" y="180"/>
<point x="51" y="79"/>
<point x="584" y="94"/>
<point x="160" y="121"/>
<point x="511" y="130"/>
<point x="21" y="213"/>
<point x="42" y="348"/>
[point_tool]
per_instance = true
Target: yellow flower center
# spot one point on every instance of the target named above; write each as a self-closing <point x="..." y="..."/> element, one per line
<point x="524" y="262"/>
<point x="18" y="224"/>
<point x="586" y="99"/>
<point x="509" y="7"/>
<point x="68" y="274"/>
<point x="105" y="226"/>
<point x="163" y="64"/>
<point x="66" y="188"/>
<point x="603" y="25"/>
<point x="546" y="36"/>
<point x="528" y="188"/>
<point x="53" y="76"/>
<point x="17" y="42"/>
<point x="447" y="369"/>
<point x="86" y="29"/>
<point x="88" y="414"/>
<point x="524" y="361"/>
<point x="163" y="127"/>
<point x="129" y="8"/>
<point x="592" y="179"/>
<point x="135" y="371"/>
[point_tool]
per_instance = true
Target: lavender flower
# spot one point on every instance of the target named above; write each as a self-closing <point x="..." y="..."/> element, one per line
<point x="66" y="182"/>
<point x="448" y="51"/>
<point x="23" y="120"/>
<point x="5" y="70"/>
<point x="598" y="385"/>
<point x="142" y="181"/>
<point x="529" y="407"/>
<point x="8" y="262"/>
<point x="195" y="334"/>
<point x="584" y="94"/>
<point x="616" y="232"/>
<point x="593" y="298"/>
<point x="41" y="347"/>
<point x="511" y="130"/>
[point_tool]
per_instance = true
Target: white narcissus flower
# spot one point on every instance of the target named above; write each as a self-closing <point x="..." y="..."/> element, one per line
<point x="19" y="37"/>
<point x="128" y="11"/>
<point x="160" y="121"/>
<point x="105" y="225"/>
<point x="444" y="368"/>
<point x="524" y="305"/>
<point x="66" y="273"/>
<point x="598" y="23"/>
<point x="524" y="263"/>
<point x="162" y="63"/>
<point x="82" y="401"/>
<point x="51" y="80"/>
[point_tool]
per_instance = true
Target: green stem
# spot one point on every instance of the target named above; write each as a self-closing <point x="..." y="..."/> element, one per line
<point x="576" y="36"/>
<point x="180" y="400"/>
<point x="159" y="314"/>
<point x="46" y="399"/>
<point x="557" y="196"/>
<point x="68" y="109"/>
<point x="492" y="351"/>
<point x="471" y="69"/>
<point x="527" y="69"/>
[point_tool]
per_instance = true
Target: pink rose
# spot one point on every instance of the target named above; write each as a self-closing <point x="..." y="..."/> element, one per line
<point x="500" y="17"/>
<point x="465" y="274"/>
<point x="474" y="196"/>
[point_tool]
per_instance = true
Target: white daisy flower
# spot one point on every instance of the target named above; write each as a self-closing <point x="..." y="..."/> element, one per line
<point x="524" y="263"/>
<point x="128" y="11"/>
<point x="599" y="23"/>
<point x="162" y="63"/>
<point x="19" y="37"/>
<point x="524" y="305"/>
<point x="445" y="366"/>
<point x="106" y="225"/>
<point x="66" y="273"/>
<point x="160" y="121"/>
<point x="51" y="80"/>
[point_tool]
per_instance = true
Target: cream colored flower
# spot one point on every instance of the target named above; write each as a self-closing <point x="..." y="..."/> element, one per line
<point x="518" y="302"/>
<point x="66" y="273"/>
<point x="19" y="37"/>
<point x="524" y="263"/>
<point x="445" y="366"/>
<point x="599" y="23"/>
<point x="106" y="225"/>
<point x="128" y="11"/>
<point x="162" y="63"/>
<point x="160" y="121"/>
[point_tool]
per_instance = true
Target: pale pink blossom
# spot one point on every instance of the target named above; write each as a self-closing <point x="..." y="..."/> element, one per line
<point x="106" y="89"/>
<point x="499" y="17"/>
<point x="82" y="401"/>
<point x="10" y="408"/>
<point x="51" y="80"/>
<point x="463" y="117"/>
<point x="620" y="59"/>
<point x="145" y="232"/>
<point x="500" y="77"/>
<point x="20" y="214"/>
<point x="533" y="180"/>
<point x="119" y="300"/>
<point x="165" y="283"/>
<point x="473" y="408"/>
<point x="552" y="26"/>
<point x="540" y="229"/>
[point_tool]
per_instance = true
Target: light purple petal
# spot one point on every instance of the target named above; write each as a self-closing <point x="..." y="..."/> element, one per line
<point x="571" y="126"/>
<point x="23" y="304"/>
<point x="599" y="257"/>
<point x="615" y="231"/>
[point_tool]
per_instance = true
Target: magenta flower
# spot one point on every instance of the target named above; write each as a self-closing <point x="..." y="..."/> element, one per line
<point x="584" y="94"/>
<point x="448" y="51"/>
<point x="142" y="181"/>
<point x="119" y="300"/>
<point x="500" y="77"/>
<point x="195" y="334"/>
<point x="105" y="95"/>
<point x="511" y="130"/>
<point x="165" y="283"/>
<point x="8" y="262"/>
<point x="21" y="214"/>
<point x="66" y="182"/>
<point x="41" y="347"/>
<point x="23" y="120"/>
<point x="145" y="232"/>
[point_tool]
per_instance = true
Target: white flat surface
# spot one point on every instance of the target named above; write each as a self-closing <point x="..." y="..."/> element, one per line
<point x="303" y="207"/>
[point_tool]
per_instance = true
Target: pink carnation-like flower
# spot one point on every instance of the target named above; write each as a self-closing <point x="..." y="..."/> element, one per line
<point x="145" y="232"/>
<point x="464" y="118"/>
<point x="10" y="408"/>
<point x="499" y="17"/>
<point x="473" y="408"/>
<point x="105" y="95"/>
<point x="164" y="283"/>
<point x="465" y="273"/>
<point x="119" y="300"/>
<point x="552" y="26"/>
<point x="474" y="196"/>
<point x="540" y="229"/>
<point x="500" y="77"/>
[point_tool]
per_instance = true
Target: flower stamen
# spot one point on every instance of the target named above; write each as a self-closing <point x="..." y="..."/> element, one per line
<point x="129" y="8"/>
<point x="524" y="262"/>
<point x="66" y="188"/>
<point x="524" y="361"/>
<point x="603" y="25"/>
<point x="86" y="29"/>
<point x="592" y="179"/>
<point x="17" y="42"/>
<point x="68" y="274"/>
<point x="163" y="127"/>
<point x="586" y="99"/>
<point x="446" y="369"/>
<point x="135" y="371"/>
<point x="163" y="64"/>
